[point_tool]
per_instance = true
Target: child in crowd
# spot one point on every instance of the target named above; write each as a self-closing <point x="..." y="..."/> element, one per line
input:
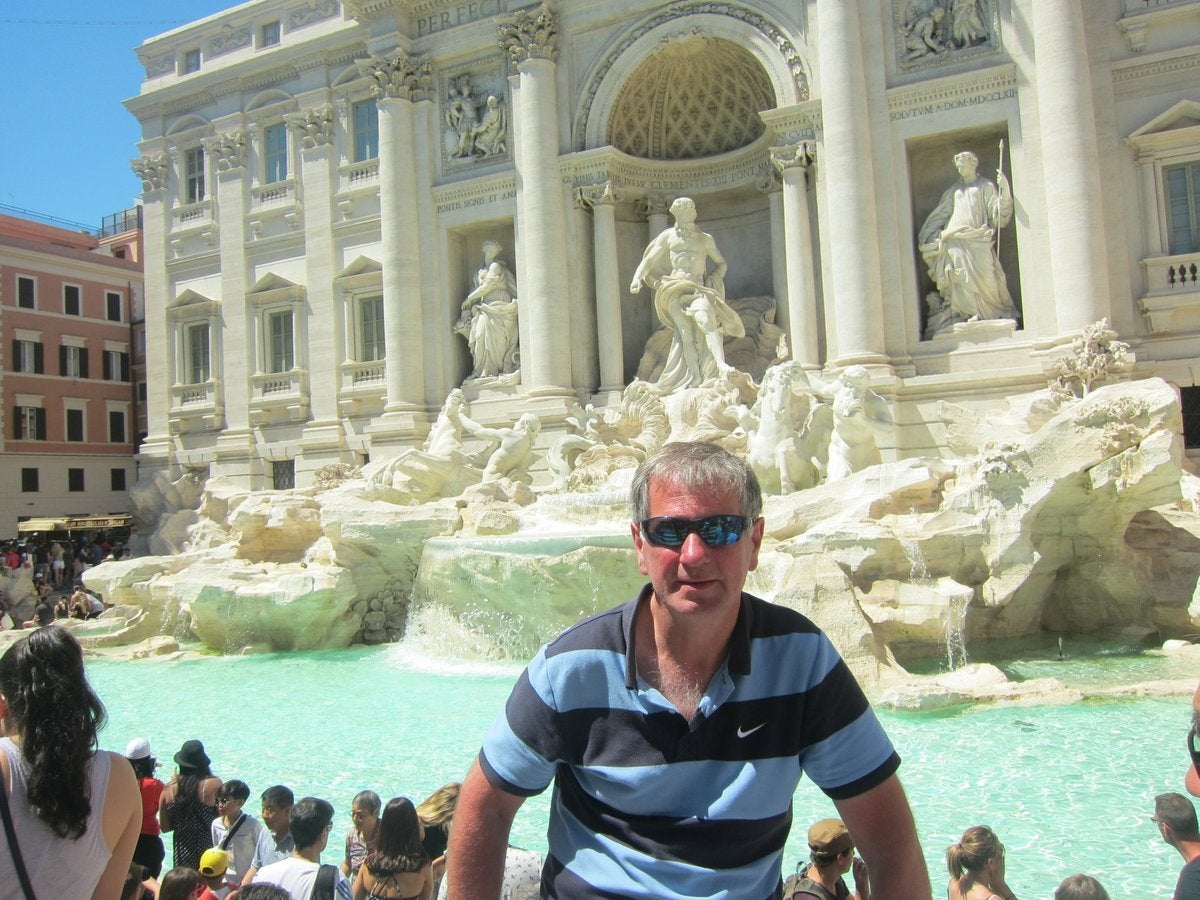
<point x="233" y="830"/>
<point x="216" y="873"/>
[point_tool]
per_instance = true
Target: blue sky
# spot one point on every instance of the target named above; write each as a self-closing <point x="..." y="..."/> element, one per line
<point x="66" y="67"/>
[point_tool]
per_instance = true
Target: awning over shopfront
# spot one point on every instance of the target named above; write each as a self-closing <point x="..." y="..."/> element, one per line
<point x="74" y="523"/>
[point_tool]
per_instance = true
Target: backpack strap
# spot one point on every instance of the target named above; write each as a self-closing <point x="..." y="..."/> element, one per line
<point x="231" y="832"/>
<point x="326" y="883"/>
<point x="10" y="833"/>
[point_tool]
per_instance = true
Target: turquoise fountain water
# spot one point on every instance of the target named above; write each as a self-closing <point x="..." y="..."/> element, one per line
<point x="1068" y="788"/>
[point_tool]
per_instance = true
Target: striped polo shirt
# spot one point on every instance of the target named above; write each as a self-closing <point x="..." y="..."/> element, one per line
<point x="648" y="804"/>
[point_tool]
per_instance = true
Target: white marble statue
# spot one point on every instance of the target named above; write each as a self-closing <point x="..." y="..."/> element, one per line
<point x="689" y="300"/>
<point x="788" y="435"/>
<point x="958" y="243"/>
<point x="967" y="23"/>
<point x="489" y="317"/>
<point x="489" y="138"/>
<point x="442" y="467"/>
<point x="858" y="414"/>
<point x="921" y="34"/>
<point x="513" y="451"/>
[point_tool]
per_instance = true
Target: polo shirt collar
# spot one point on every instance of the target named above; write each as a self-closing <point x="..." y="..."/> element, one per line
<point x="737" y="661"/>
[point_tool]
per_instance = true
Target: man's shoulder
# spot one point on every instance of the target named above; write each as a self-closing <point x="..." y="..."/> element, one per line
<point x="772" y="619"/>
<point x="601" y="631"/>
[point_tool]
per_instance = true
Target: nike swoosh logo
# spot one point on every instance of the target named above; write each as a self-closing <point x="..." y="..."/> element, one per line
<point x="746" y="732"/>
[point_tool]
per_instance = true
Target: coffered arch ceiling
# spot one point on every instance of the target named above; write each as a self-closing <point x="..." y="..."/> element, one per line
<point x="695" y="96"/>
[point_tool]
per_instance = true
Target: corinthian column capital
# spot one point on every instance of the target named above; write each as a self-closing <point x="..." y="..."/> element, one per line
<point x="801" y="154"/>
<point x="398" y="75"/>
<point x="530" y="35"/>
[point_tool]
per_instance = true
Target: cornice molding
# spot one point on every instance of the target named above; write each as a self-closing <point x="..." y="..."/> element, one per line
<point x="953" y="92"/>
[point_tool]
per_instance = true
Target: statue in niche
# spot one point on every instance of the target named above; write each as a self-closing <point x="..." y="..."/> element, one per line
<point x="489" y="317"/>
<point x="958" y="243"/>
<point x="462" y="115"/>
<point x="933" y="27"/>
<point x="689" y="300"/>
<point x="967" y="25"/>
<point x="858" y="413"/>
<point x="489" y="138"/>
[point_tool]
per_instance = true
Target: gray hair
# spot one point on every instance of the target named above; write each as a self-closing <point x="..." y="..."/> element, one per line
<point x="1176" y="812"/>
<point x="695" y="466"/>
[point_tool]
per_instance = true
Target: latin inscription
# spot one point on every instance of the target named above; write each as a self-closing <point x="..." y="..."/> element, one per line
<point x="459" y="15"/>
<point x="973" y="100"/>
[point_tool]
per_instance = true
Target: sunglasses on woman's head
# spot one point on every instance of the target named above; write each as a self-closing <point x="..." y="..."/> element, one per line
<point x="672" y="531"/>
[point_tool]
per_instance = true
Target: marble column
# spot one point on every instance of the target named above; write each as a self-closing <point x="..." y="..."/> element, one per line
<point x="772" y="185"/>
<point x="1074" y="206"/>
<point x="603" y="199"/>
<point x="793" y="163"/>
<point x="400" y="81"/>
<point x="656" y="208"/>
<point x="855" y="293"/>
<point x="241" y="354"/>
<point x="530" y="40"/>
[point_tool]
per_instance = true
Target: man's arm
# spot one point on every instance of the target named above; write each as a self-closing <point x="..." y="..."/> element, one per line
<point x="882" y="826"/>
<point x="479" y="838"/>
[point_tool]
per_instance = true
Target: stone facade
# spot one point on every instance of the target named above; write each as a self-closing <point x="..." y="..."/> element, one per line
<point x="319" y="178"/>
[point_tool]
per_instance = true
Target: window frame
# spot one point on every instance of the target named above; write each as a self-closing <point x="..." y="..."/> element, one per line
<point x="32" y="282"/>
<point x="68" y="414"/>
<point x="191" y="373"/>
<point x="109" y="296"/>
<point x="73" y="361"/>
<point x="276" y="167"/>
<point x="28" y="418"/>
<point x="193" y="174"/>
<point x="76" y="480"/>
<point x="113" y="479"/>
<point x="288" y="353"/>
<point x="265" y="34"/>
<point x="29" y="476"/>
<point x="29" y="357"/>
<point x="362" y="354"/>
<point x="78" y="289"/>
<point x="123" y="437"/>
<point x="365" y="134"/>
<point x="191" y="61"/>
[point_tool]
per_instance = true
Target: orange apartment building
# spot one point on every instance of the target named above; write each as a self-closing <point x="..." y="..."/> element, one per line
<point x="71" y="305"/>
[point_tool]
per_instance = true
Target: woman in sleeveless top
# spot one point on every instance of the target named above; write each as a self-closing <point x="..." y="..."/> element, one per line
<point x="398" y="868"/>
<point x="80" y="841"/>
<point x="436" y="813"/>
<point x="188" y="805"/>
<point x="976" y="866"/>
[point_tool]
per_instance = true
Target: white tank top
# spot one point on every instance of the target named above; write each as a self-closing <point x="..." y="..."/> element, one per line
<point x="57" y="867"/>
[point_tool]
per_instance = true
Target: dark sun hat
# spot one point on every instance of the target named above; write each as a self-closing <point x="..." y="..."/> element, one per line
<point x="192" y="755"/>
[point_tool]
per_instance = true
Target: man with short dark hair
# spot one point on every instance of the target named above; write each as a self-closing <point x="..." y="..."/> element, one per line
<point x="1176" y="820"/>
<point x="302" y="874"/>
<point x="275" y="841"/>
<point x="676" y="727"/>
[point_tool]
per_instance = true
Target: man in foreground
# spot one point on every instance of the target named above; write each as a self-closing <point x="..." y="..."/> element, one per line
<point x="676" y="727"/>
<point x="1176" y="820"/>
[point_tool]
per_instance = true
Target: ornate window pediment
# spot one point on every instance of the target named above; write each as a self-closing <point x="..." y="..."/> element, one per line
<point x="192" y="305"/>
<point x="273" y="289"/>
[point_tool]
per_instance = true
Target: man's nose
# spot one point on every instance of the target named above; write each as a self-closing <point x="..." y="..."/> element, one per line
<point x="693" y="548"/>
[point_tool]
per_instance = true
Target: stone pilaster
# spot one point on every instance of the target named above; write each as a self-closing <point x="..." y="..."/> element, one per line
<point x="530" y="41"/>
<point x="1074" y="206"/>
<point x="793" y="163"/>
<point x="603" y="199"/>
<point x="227" y="153"/>
<point x="855" y="292"/>
<point x="400" y="81"/>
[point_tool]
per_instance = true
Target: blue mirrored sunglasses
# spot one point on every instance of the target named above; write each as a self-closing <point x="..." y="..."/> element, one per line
<point x="716" y="531"/>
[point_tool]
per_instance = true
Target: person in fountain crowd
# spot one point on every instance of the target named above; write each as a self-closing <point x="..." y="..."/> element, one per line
<point x="1176" y="820"/>
<point x="436" y="813"/>
<point x="1191" y="778"/>
<point x="976" y="864"/>
<point x="662" y="723"/>
<point x="301" y="874"/>
<point x="188" y="804"/>
<point x="75" y="810"/>
<point x="216" y="872"/>
<point x="275" y="840"/>
<point x="43" y="614"/>
<point x="398" y="866"/>
<point x="1080" y="887"/>
<point x="364" y="813"/>
<point x="235" y="830"/>
<point x="149" y="852"/>
<point x="831" y="851"/>
<point x="181" y="883"/>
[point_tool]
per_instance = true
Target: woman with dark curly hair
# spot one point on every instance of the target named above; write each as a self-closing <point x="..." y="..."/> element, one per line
<point x="188" y="805"/>
<point x="398" y="868"/>
<point x="75" y="809"/>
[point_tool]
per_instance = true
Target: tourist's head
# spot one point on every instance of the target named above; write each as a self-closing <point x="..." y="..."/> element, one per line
<point x="695" y="467"/>
<point x="438" y="807"/>
<point x="277" y="803"/>
<point x="975" y="851"/>
<point x="966" y="162"/>
<point x="364" y="812"/>
<point x="192" y="760"/>
<point x="181" y="883"/>
<point x="263" y="891"/>
<point x="232" y="796"/>
<point x="399" y="838"/>
<point x="141" y="757"/>
<point x="309" y="822"/>
<point x="829" y="843"/>
<point x="45" y="698"/>
<point x="1080" y="887"/>
<point x="684" y="208"/>
<point x="214" y="862"/>
<point x="1176" y="817"/>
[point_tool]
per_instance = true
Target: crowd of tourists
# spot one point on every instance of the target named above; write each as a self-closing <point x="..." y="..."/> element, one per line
<point x="674" y="729"/>
<point x="53" y="589"/>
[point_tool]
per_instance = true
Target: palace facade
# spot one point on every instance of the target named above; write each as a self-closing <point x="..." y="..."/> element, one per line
<point x="320" y="179"/>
